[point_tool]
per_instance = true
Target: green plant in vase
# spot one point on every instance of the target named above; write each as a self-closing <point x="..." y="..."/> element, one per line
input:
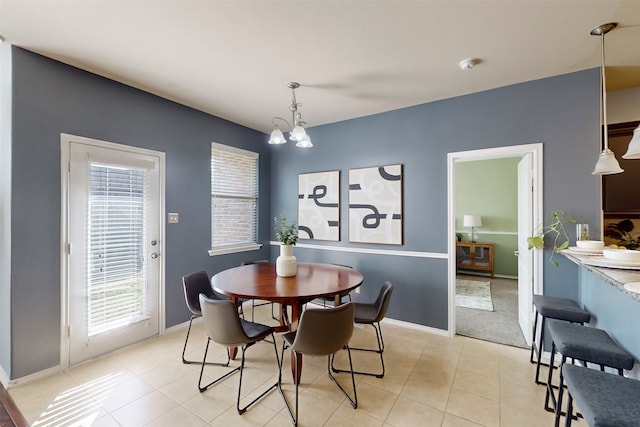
<point x="556" y="229"/>
<point x="287" y="234"/>
<point x="286" y="231"/>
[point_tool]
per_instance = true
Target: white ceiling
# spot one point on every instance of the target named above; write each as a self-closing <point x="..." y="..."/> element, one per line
<point x="234" y="59"/>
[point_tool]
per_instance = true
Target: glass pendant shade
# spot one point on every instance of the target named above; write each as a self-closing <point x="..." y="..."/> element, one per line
<point x="633" y="151"/>
<point x="277" y="137"/>
<point x="305" y="142"/>
<point x="607" y="164"/>
<point x="298" y="133"/>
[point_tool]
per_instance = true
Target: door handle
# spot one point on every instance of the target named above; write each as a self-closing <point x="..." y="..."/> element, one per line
<point x="154" y="255"/>
<point x="516" y="253"/>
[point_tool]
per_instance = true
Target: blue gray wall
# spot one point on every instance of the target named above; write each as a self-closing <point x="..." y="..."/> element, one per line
<point x="50" y="98"/>
<point x="561" y="112"/>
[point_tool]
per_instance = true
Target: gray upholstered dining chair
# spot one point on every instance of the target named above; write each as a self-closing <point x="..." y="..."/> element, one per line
<point x="193" y="285"/>
<point x="372" y="314"/>
<point x="225" y="327"/>
<point x="321" y="332"/>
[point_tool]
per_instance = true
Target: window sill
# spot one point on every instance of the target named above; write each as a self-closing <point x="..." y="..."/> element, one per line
<point x="234" y="249"/>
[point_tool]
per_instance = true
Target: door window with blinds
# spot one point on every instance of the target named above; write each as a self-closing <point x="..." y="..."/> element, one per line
<point x="116" y="281"/>
<point x="234" y="199"/>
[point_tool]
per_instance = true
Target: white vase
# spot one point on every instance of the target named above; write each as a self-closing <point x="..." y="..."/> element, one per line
<point x="286" y="263"/>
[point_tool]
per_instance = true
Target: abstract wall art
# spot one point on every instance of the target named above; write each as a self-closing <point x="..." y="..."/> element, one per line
<point x="319" y="205"/>
<point x="375" y="205"/>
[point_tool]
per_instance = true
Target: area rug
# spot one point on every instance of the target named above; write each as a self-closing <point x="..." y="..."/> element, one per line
<point x="474" y="294"/>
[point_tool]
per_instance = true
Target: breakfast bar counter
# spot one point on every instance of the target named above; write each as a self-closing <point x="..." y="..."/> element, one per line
<point x="613" y="307"/>
<point x="616" y="277"/>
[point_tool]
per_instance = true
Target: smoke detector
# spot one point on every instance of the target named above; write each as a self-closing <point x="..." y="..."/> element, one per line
<point x="467" y="64"/>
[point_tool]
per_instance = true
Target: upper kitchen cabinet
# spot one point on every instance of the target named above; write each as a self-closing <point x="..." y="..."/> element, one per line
<point x="620" y="191"/>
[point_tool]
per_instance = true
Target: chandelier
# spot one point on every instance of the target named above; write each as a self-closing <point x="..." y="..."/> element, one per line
<point x="298" y="127"/>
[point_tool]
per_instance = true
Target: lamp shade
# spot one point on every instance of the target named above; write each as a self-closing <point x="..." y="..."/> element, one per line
<point x="472" y="221"/>
<point x="277" y="137"/>
<point x="633" y="151"/>
<point x="607" y="164"/>
<point x="305" y="142"/>
<point x="297" y="133"/>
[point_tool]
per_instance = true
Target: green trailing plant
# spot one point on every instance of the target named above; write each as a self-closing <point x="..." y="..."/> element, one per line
<point x="286" y="231"/>
<point x="621" y="231"/>
<point x="556" y="231"/>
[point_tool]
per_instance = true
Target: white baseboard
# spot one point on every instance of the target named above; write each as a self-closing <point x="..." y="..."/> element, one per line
<point x="33" y="377"/>
<point x="416" y="327"/>
<point x="504" y="276"/>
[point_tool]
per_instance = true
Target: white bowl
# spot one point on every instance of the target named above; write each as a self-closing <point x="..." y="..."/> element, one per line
<point x="592" y="245"/>
<point x="622" y="255"/>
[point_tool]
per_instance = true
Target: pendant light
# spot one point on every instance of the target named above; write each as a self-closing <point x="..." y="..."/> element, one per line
<point x="607" y="163"/>
<point x="633" y="151"/>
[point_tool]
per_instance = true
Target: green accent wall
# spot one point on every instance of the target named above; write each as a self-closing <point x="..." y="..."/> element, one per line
<point x="489" y="188"/>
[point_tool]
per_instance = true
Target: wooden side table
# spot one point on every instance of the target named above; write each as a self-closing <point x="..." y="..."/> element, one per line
<point x="475" y="257"/>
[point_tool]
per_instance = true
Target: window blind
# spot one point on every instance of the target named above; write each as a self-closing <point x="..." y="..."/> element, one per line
<point x="116" y="282"/>
<point x="234" y="196"/>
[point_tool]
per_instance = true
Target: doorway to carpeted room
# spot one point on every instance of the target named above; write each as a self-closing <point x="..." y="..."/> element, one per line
<point x="499" y="325"/>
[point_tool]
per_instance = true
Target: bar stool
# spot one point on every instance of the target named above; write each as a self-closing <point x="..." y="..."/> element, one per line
<point x="586" y="344"/>
<point x="553" y="308"/>
<point x="605" y="400"/>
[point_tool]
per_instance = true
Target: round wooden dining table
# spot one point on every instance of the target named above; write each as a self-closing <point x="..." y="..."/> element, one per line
<point x="313" y="280"/>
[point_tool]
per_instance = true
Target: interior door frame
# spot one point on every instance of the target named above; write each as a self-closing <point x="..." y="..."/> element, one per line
<point x="65" y="144"/>
<point x="535" y="150"/>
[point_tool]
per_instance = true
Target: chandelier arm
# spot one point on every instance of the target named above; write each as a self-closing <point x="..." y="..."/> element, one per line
<point x="273" y="122"/>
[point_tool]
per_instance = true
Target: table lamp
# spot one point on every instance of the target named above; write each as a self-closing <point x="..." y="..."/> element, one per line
<point x="472" y="221"/>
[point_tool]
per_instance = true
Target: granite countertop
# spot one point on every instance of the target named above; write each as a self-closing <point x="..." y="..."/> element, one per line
<point x="615" y="276"/>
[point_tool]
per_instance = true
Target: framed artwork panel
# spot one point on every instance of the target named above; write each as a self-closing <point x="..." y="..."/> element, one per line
<point x="319" y="206"/>
<point x="375" y="205"/>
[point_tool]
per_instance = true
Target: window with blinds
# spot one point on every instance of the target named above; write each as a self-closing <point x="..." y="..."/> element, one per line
<point x="234" y="197"/>
<point x="116" y="282"/>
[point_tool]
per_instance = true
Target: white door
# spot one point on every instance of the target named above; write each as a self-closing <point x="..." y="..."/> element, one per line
<point x="113" y="252"/>
<point x="525" y="256"/>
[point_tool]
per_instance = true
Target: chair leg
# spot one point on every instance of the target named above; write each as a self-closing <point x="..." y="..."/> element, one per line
<point x="184" y="349"/>
<point x="567" y="422"/>
<point x="354" y="401"/>
<point x="294" y="419"/>
<point x="200" y="387"/>
<point x="539" y="347"/>
<point x="549" y="396"/>
<point x="560" y="395"/>
<point x="380" y="350"/>
<point x="244" y="349"/>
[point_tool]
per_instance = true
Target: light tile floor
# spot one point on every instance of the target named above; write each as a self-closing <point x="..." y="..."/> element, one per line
<point x="430" y="381"/>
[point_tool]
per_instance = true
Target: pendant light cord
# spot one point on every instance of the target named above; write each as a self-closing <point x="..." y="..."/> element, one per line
<point x="604" y="100"/>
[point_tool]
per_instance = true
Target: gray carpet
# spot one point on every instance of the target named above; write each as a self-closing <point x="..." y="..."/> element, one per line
<point x="499" y="326"/>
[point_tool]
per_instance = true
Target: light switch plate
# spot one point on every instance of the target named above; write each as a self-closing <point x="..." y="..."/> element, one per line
<point x="174" y="218"/>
